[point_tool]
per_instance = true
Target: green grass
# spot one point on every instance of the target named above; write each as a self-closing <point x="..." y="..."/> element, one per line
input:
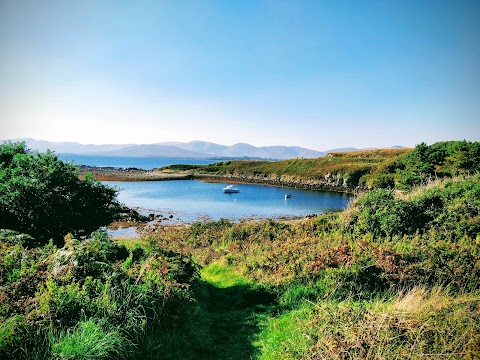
<point x="224" y="276"/>
<point x="285" y="336"/>
<point x="417" y="324"/>
<point x="224" y="324"/>
<point x="90" y="340"/>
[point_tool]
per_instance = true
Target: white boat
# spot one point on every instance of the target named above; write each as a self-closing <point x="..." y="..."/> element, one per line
<point x="230" y="189"/>
<point x="288" y="196"/>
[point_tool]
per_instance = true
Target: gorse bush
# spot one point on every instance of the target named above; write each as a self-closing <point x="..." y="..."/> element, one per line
<point x="450" y="208"/>
<point x="81" y="301"/>
<point x="42" y="196"/>
<point x="379" y="213"/>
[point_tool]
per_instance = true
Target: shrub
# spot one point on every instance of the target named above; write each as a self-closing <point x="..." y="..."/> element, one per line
<point x="42" y="196"/>
<point x="449" y="207"/>
<point x="379" y="213"/>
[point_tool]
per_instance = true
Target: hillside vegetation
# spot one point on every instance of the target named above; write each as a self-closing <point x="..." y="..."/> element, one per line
<point x="394" y="276"/>
<point x="385" y="168"/>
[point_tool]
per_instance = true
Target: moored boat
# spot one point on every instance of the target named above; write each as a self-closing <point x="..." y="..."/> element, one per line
<point x="230" y="189"/>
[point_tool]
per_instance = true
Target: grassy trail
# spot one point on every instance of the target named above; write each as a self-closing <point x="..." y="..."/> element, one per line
<point x="228" y="317"/>
<point x="221" y="325"/>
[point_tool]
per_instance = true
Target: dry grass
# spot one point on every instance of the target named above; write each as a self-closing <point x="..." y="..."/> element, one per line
<point x="429" y="184"/>
<point x="371" y="154"/>
<point x="417" y="324"/>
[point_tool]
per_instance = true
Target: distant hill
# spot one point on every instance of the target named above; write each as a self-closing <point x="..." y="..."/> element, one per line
<point x="202" y="147"/>
<point x="247" y="150"/>
<point x="69" y="147"/>
<point x="154" y="151"/>
<point x="193" y="149"/>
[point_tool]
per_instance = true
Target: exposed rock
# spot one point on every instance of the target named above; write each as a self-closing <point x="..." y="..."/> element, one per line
<point x="129" y="214"/>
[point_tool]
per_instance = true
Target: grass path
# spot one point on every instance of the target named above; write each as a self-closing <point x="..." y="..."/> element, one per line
<point x="225" y="324"/>
<point x="230" y="307"/>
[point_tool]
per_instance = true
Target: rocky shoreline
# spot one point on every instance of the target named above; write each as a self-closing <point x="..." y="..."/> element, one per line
<point x="129" y="174"/>
<point x="330" y="182"/>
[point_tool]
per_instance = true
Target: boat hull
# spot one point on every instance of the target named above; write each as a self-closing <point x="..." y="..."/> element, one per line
<point x="231" y="191"/>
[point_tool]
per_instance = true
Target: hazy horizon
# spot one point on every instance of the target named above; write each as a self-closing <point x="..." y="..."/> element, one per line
<point x="186" y="142"/>
<point x="314" y="74"/>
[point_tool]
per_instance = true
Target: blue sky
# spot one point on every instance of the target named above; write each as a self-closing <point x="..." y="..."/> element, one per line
<point x="317" y="74"/>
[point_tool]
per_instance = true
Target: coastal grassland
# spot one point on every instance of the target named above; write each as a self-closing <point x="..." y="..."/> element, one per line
<point x="366" y="169"/>
<point x="394" y="276"/>
<point x="384" y="240"/>
<point x="381" y="154"/>
<point x="326" y="170"/>
<point x="350" y="165"/>
<point x="416" y="324"/>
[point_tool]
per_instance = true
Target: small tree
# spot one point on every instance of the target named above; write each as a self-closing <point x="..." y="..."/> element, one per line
<point x="43" y="196"/>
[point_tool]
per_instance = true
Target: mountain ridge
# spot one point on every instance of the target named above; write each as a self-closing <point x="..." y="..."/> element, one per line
<point x="194" y="149"/>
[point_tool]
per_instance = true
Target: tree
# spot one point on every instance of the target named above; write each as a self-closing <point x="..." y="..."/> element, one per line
<point x="43" y="196"/>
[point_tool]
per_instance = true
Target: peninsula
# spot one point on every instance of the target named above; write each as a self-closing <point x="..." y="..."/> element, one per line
<point x="338" y="171"/>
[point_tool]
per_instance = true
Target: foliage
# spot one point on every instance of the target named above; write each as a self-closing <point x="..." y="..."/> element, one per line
<point x="409" y="325"/>
<point x="442" y="159"/>
<point x="42" y="196"/>
<point x="75" y="301"/>
<point x="450" y="207"/>
<point x="343" y="280"/>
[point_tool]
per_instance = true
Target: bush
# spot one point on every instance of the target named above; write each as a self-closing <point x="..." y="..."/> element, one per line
<point x="81" y="302"/>
<point x="42" y="196"/>
<point x="379" y="213"/>
<point x="450" y="207"/>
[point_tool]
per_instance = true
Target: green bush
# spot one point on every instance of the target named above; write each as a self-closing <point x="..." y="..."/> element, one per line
<point x="47" y="294"/>
<point x="450" y="208"/>
<point x="379" y="213"/>
<point x="424" y="163"/>
<point x="42" y="196"/>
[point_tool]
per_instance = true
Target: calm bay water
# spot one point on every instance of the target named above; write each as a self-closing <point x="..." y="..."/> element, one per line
<point x="126" y="162"/>
<point x="192" y="200"/>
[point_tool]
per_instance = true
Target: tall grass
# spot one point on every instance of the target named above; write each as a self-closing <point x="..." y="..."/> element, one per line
<point x="420" y="323"/>
<point x="90" y="340"/>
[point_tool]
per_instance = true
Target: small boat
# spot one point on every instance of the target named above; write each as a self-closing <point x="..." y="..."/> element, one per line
<point x="288" y="196"/>
<point x="230" y="189"/>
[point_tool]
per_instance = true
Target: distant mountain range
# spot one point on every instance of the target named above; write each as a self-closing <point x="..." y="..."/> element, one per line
<point x="190" y="150"/>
